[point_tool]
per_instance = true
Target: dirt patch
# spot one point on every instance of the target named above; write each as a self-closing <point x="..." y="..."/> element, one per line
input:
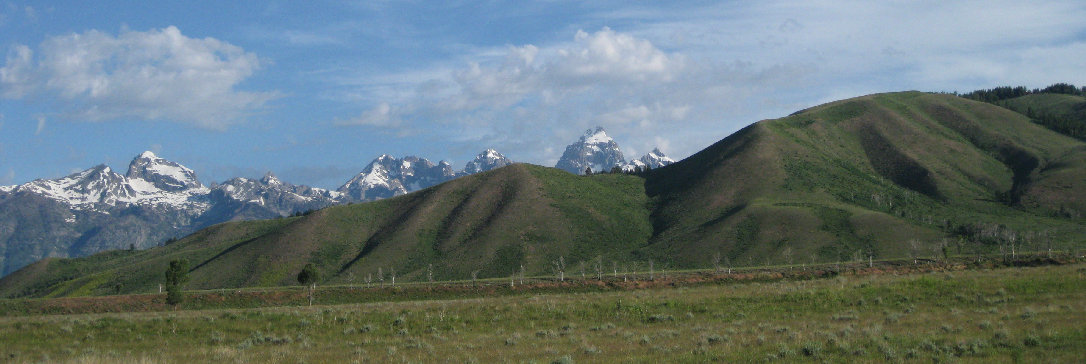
<point x="294" y="296"/>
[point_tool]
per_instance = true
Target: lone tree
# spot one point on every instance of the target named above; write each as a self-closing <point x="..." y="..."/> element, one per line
<point x="308" y="277"/>
<point x="560" y="268"/>
<point x="176" y="275"/>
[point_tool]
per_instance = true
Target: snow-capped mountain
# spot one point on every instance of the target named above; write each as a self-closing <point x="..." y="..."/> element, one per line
<point x="163" y="174"/>
<point x="388" y="176"/>
<point x="594" y="150"/>
<point x="150" y="181"/>
<point x="96" y="185"/>
<point x="654" y="159"/>
<point x="487" y="160"/>
<point x="98" y="209"/>
<point x="278" y="198"/>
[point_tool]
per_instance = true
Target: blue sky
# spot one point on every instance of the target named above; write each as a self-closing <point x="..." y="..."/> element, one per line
<point x="313" y="91"/>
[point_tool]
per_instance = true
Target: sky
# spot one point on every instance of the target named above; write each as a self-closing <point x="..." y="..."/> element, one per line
<point x="313" y="91"/>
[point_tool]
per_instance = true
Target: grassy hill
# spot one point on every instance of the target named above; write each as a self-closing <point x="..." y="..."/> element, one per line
<point x="865" y="176"/>
<point x="491" y="223"/>
<point x="1060" y="112"/>
<point x="887" y="175"/>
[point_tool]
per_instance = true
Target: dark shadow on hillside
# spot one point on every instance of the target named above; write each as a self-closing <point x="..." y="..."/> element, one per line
<point x="387" y="230"/>
<point x="894" y="165"/>
<point x="1021" y="162"/>
<point x="223" y="253"/>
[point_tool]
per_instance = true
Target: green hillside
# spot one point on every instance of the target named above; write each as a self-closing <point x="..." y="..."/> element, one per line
<point x="1062" y="113"/>
<point x="868" y="175"/>
<point x="492" y="223"/>
<point x="883" y="176"/>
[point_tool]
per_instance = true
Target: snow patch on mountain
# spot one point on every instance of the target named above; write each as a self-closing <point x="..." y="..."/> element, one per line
<point x="99" y="187"/>
<point x="278" y="197"/>
<point x="487" y="160"/>
<point x="164" y="174"/>
<point x="388" y="176"/>
<point x="595" y="150"/>
<point x="654" y="159"/>
<point x="598" y="136"/>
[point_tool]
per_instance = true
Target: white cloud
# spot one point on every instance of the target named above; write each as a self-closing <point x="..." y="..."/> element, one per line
<point x="31" y="14"/>
<point x="684" y="77"/>
<point x="381" y="116"/>
<point x="154" y="75"/>
<point x="607" y="54"/>
<point x="41" y="125"/>
<point x="528" y="98"/>
<point x="17" y="75"/>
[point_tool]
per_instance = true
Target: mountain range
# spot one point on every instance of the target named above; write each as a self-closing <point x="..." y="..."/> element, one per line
<point x="157" y="199"/>
<point x="906" y="174"/>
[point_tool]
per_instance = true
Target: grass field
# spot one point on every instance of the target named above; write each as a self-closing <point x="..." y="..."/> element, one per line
<point x="937" y="313"/>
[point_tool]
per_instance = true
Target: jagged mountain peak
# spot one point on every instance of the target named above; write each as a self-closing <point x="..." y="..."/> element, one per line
<point x="268" y="197"/>
<point x="596" y="136"/>
<point x="487" y="160"/>
<point x="654" y="159"/>
<point x="163" y="174"/>
<point x="98" y="184"/>
<point x="270" y="179"/>
<point x="595" y="149"/>
<point x="387" y="176"/>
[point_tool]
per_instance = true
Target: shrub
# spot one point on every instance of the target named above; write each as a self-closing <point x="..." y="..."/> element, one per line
<point x="660" y="318"/>
<point x="1031" y="340"/>
<point x="812" y="349"/>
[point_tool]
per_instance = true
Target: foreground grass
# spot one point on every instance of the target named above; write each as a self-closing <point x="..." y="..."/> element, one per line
<point x="1006" y="314"/>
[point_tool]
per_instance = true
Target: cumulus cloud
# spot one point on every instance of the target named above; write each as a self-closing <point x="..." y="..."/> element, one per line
<point x="683" y="77"/>
<point x="529" y="98"/>
<point x="159" y="74"/>
<point x="610" y="55"/>
<point x="16" y="77"/>
<point x="381" y="116"/>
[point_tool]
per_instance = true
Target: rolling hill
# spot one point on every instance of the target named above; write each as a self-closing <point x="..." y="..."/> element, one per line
<point x="886" y="175"/>
<point x="867" y="175"/>
<point x="1060" y="112"/>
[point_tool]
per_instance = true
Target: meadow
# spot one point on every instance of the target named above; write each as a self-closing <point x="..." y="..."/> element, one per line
<point x="887" y="313"/>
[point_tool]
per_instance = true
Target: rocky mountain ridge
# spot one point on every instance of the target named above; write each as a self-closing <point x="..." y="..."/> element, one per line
<point x="598" y="152"/>
<point x="157" y="199"/>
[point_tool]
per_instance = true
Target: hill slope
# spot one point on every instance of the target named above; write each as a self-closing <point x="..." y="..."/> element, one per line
<point x="887" y="175"/>
<point x="492" y="222"/>
<point x="1063" y="113"/>
<point x="866" y="175"/>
